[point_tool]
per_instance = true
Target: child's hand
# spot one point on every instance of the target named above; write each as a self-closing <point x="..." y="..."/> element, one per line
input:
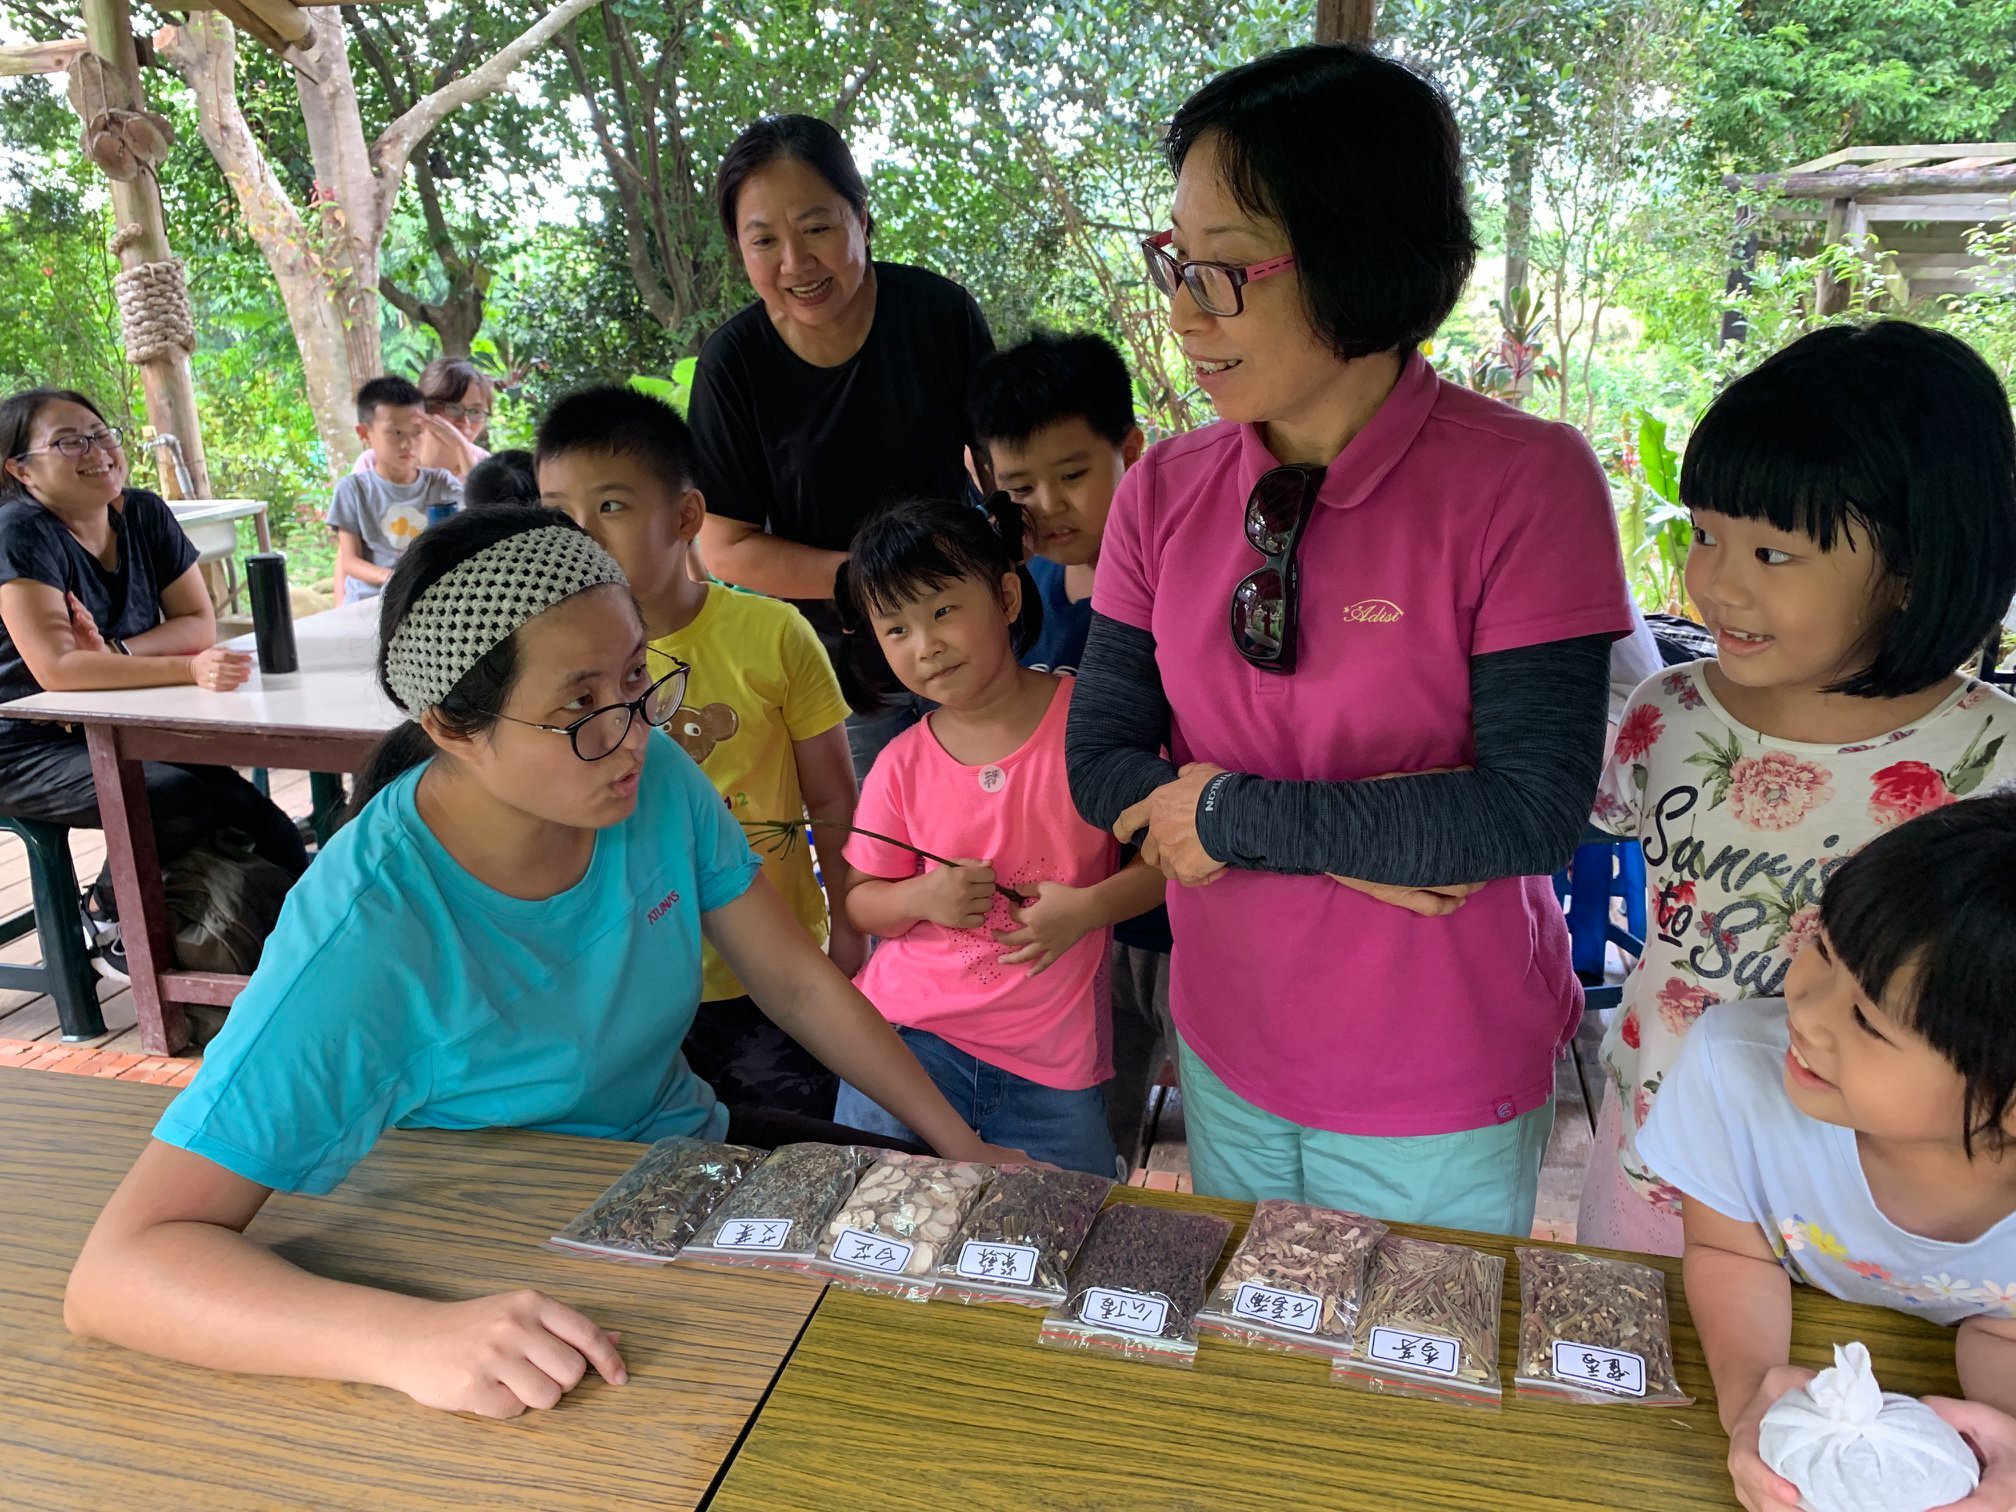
<point x="219" y="668"/>
<point x="1992" y="1437"/>
<point x="83" y="628"/>
<point x="1758" y="1487"/>
<point x="1049" y="926"/>
<point x="497" y="1356"/>
<point x="956" y="897"/>
<point x="846" y="948"/>
<point x="1429" y="902"/>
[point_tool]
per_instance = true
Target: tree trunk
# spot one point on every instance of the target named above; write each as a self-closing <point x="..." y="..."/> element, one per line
<point x="1518" y="218"/>
<point x="1346" y="21"/>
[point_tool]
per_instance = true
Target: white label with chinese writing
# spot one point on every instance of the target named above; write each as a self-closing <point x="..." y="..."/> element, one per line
<point x="753" y="1234"/>
<point x="1613" y="1370"/>
<point x="1015" y="1263"/>
<point x="1283" y="1309"/>
<point x="871" y="1251"/>
<point x="1416" y="1351"/>
<point x="1129" y="1311"/>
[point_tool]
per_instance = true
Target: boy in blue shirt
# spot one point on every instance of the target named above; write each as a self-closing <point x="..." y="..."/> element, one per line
<point x="1056" y="415"/>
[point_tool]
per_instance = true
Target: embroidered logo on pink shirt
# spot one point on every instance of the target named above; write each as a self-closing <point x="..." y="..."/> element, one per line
<point x="1373" y="612"/>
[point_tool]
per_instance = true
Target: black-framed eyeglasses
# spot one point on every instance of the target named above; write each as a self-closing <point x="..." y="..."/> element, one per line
<point x="1219" y="288"/>
<point x="599" y="732"/>
<point x="463" y="412"/>
<point x="110" y="439"/>
<point x="1263" y="604"/>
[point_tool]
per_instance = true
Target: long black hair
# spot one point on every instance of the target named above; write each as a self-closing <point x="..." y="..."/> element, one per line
<point x="808" y="140"/>
<point x="1901" y="433"/>
<point x="17" y="423"/>
<point x="911" y="550"/>
<point x="471" y="706"/>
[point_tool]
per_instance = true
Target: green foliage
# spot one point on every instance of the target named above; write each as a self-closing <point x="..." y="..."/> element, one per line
<point x="677" y="390"/>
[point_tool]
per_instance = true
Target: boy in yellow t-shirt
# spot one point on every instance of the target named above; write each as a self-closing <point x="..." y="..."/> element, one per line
<point x="763" y="716"/>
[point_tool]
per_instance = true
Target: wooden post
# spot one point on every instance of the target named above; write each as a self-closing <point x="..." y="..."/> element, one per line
<point x="1346" y="21"/>
<point x="167" y="382"/>
<point x="1830" y="296"/>
<point x="1742" y="266"/>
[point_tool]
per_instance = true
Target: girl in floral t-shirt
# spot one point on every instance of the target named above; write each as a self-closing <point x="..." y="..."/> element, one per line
<point x="1854" y="507"/>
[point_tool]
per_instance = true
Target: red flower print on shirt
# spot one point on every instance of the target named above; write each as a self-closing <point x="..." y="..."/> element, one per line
<point x="1639" y="732"/>
<point x="1906" y="789"/>
<point x="1672" y="898"/>
<point x="1680" y="687"/>
<point x="1629" y="1032"/>
<point x="1680" y="1004"/>
<point x="1776" y="790"/>
<point x="1641" y="1107"/>
<point x="1799" y="933"/>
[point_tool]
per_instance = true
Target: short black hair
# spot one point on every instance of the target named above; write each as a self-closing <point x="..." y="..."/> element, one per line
<point x="1934" y="902"/>
<point x="912" y="549"/>
<point x="388" y="390"/>
<point x="1903" y="433"/>
<point x="503" y="477"/>
<point x="810" y="141"/>
<point x="628" y="422"/>
<point x="1052" y="377"/>
<point x="1380" y="228"/>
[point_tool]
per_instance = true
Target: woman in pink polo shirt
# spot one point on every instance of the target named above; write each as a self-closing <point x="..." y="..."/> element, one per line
<point x="1362" y="571"/>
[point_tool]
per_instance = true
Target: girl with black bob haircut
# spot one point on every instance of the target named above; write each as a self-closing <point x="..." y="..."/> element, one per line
<point x="507" y="934"/>
<point x="1381" y="232"/>
<point x="1890" y="436"/>
<point x="1856" y="1135"/>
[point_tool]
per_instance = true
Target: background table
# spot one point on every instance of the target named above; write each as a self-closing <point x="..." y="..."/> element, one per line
<point x="896" y="1406"/>
<point x="326" y="717"/>
<point x="88" y="1425"/>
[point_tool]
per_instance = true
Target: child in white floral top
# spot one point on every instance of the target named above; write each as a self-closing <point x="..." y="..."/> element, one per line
<point x="1857" y="1136"/>
<point x="1854" y="508"/>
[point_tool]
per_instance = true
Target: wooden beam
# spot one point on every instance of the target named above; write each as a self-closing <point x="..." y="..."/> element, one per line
<point x="211" y="5"/>
<point x="40" y="57"/>
<point x="1346" y="21"/>
<point x="282" y="18"/>
<point x="252" y="24"/>
<point x="1920" y="150"/>
<point x="1847" y="184"/>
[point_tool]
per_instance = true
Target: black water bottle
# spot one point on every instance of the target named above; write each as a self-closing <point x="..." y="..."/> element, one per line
<point x="272" y="611"/>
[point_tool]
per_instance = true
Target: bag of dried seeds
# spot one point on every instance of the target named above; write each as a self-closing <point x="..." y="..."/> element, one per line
<point x="1017" y="1245"/>
<point x="898" y="1224"/>
<point x="1594" y="1329"/>
<point x="1294" y="1283"/>
<point x="656" y="1206"/>
<point x="1138" y="1284"/>
<point x="775" y="1219"/>
<point x="1429" y="1324"/>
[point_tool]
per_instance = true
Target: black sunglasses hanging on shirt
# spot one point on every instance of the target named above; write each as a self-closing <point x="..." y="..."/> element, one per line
<point x="1263" y="604"/>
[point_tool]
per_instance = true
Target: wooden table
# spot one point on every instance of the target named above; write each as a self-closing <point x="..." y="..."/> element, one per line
<point x="324" y="718"/>
<point x="892" y="1405"/>
<point x="449" y="1215"/>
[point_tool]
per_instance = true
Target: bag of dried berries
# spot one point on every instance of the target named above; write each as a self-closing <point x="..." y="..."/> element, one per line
<point x="1429" y="1324"/>
<point x="1138" y="1284"/>
<point x="776" y="1219"/>
<point x="652" y="1210"/>
<point x="1294" y="1283"/>
<point x="1594" y="1329"/>
<point x="897" y="1225"/>
<point x="1018" y="1243"/>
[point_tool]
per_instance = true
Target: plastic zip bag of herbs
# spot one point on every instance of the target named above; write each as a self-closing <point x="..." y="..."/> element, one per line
<point x="1294" y="1283"/>
<point x="776" y="1218"/>
<point x="1593" y="1329"/>
<point x="895" y="1227"/>
<point x="1429" y="1324"/>
<point x="1138" y="1283"/>
<point x="652" y="1210"/>
<point x="1018" y="1243"/>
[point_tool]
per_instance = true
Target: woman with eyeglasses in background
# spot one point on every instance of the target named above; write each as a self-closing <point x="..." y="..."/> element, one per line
<point x="459" y="402"/>
<point x="1361" y="572"/>
<point x="506" y="935"/>
<point x="99" y="588"/>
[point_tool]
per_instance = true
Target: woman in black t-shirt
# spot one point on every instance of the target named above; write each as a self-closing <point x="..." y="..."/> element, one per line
<point x="842" y="388"/>
<point x="99" y="589"/>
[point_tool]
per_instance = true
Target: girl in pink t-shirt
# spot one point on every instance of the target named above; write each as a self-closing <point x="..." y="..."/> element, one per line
<point x="990" y="957"/>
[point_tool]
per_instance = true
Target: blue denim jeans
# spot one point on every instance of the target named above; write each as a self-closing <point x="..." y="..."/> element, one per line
<point x="1068" y="1129"/>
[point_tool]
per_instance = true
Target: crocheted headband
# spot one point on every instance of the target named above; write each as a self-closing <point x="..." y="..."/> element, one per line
<point x="477" y="605"/>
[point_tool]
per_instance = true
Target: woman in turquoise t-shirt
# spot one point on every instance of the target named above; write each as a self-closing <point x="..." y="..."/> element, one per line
<point x="507" y="934"/>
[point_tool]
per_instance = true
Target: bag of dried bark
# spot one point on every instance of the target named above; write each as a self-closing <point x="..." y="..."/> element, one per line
<point x="1294" y="1283"/>
<point x="776" y="1218"/>
<point x="652" y="1210"/>
<point x="1138" y="1284"/>
<point x="891" y="1233"/>
<point x="1429" y="1324"/>
<point x="1017" y="1245"/>
<point x="1593" y="1329"/>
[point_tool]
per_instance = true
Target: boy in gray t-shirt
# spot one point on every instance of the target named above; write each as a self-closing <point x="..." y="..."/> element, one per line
<point x="377" y="514"/>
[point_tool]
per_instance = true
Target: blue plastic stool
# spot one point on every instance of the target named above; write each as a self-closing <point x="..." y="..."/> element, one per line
<point x="58" y="919"/>
<point x="1603" y="870"/>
